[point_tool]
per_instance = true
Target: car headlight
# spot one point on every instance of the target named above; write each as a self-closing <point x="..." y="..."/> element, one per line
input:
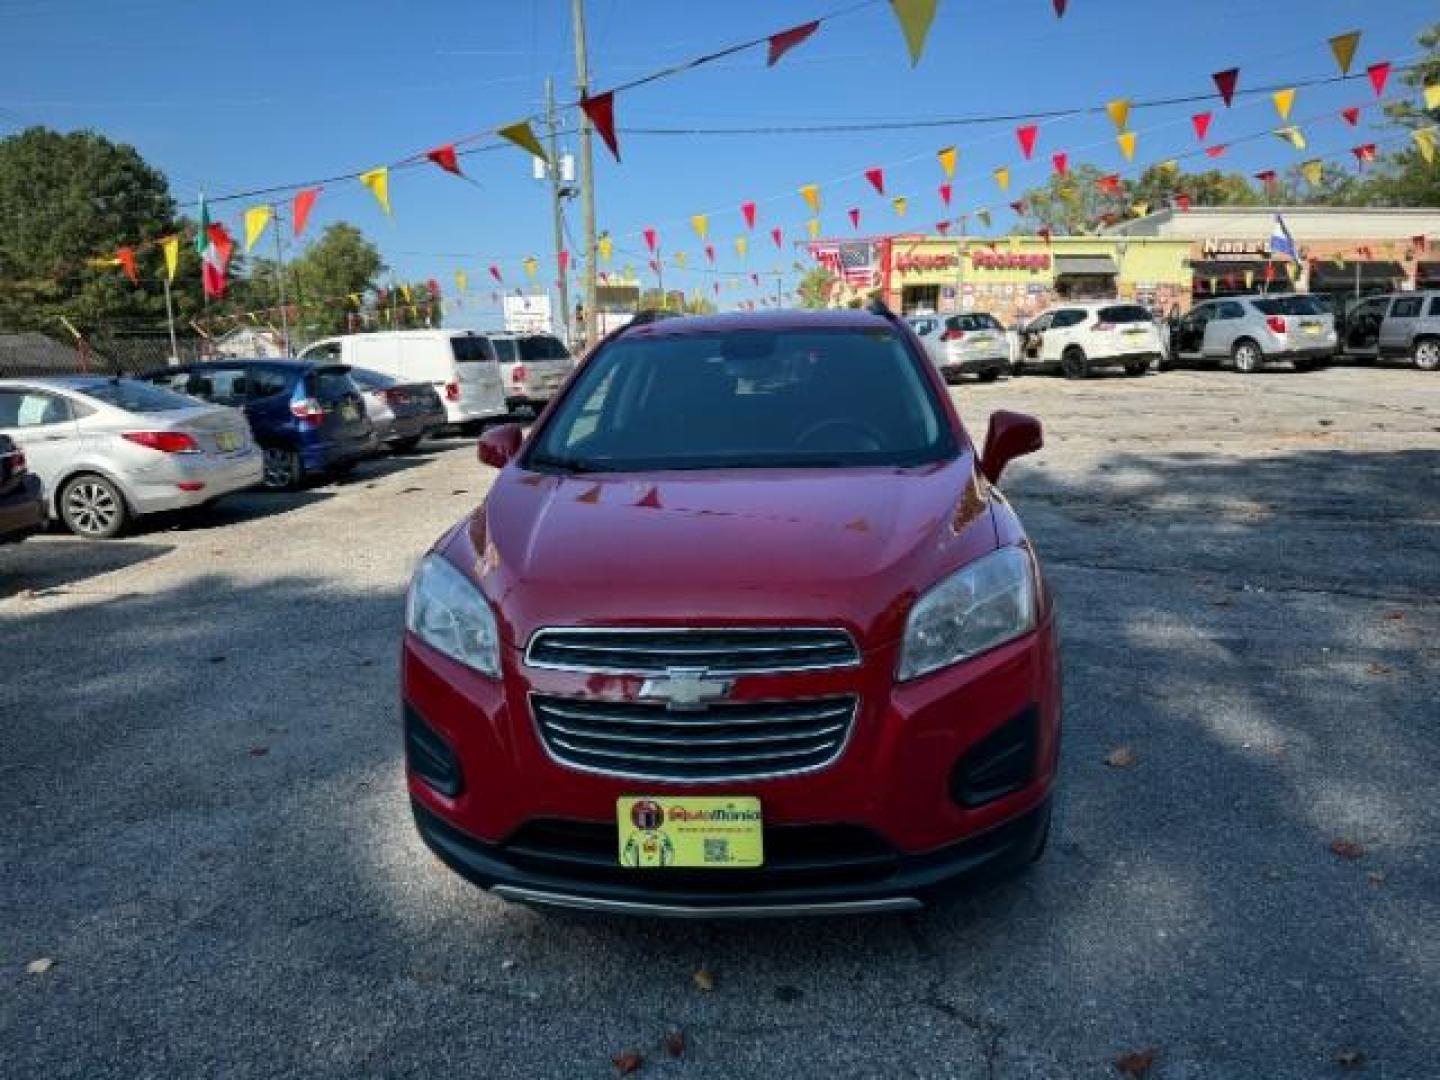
<point x="446" y="611"/>
<point x="980" y="606"/>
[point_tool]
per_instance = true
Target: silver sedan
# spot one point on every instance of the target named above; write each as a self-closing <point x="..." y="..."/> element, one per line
<point x="109" y="449"/>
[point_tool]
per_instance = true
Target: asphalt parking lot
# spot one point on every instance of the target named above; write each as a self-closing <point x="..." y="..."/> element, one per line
<point x="205" y="827"/>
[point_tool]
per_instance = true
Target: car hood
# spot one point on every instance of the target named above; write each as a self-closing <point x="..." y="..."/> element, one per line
<point x="812" y="547"/>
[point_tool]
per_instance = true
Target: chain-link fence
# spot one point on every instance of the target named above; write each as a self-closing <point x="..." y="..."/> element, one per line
<point x="116" y="354"/>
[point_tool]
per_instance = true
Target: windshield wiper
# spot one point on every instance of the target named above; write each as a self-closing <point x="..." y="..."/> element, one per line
<point x="565" y="463"/>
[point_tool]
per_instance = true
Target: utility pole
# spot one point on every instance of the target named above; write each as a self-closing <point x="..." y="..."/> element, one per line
<point x="557" y="193"/>
<point x="587" y="170"/>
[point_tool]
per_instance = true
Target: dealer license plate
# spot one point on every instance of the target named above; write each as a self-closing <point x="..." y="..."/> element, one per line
<point x="720" y="832"/>
<point x="227" y="441"/>
<point x="1135" y="331"/>
<point x="982" y="339"/>
<point x="1312" y="328"/>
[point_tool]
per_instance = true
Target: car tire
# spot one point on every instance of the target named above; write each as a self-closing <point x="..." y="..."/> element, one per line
<point x="92" y="507"/>
<point x="1017" y="369"/>
<point x="1247" y="356"/>
<point x="406" y="446"/>
<point x="1426" y="356"/>
<point x="1137" y="367"/>
<point x="1302" y="364"/>
<point x="1074" y="363"/>
<point x="284" y="471"/>
<point x="990" y="374"/>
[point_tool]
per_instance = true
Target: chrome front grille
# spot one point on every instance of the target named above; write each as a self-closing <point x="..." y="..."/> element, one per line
<point x="720" y="651"/>
<point x="728" y="741"/>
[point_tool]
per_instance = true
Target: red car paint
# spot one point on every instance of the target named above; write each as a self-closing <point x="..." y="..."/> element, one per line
<point x="804" y="547"/>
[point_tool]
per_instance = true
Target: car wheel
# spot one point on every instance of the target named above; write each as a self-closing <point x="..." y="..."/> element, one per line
<point x="1302" y="364"/>
<point x="1427" y="354"/>
<point x="405" y="446"/>
<point x="1137" y="367"/>
<point x="93" y="507"/>
<point x="1247" y="356"/>
<point x="1017" y="369"/>
<point x="989" y="374"/>
<point x="283" y="469"/>
<point x="1075" y="363"/>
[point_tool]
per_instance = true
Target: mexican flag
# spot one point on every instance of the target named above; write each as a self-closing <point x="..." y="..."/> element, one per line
<point x="214" y="246"/>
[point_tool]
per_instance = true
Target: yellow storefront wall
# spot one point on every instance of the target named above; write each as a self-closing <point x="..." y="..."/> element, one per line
<point x="1013" y="278"/>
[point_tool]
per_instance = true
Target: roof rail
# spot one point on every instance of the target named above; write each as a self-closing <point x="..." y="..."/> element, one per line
<point x="879" y="307"/>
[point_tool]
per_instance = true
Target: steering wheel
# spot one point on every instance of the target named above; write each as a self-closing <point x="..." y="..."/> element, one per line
<point x="867" y="432"/>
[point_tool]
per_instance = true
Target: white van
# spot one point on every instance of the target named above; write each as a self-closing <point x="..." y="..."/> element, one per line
<point x="460" y="364"/>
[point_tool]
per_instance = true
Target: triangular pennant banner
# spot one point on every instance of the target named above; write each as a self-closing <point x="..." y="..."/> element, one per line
<point x="1379" y="76"/>
<point x="945" y="193"/>
<point x="1019" y="207"/>
<point x="444" y="156"/>
<point x="652" y="239"/>
<point x="742" y="246"/>
<point x="915" y="18"/>
<point x="1363" y="153"/>
<point x="1059" y="8"/>
<point x="854" y="217"/>
<point x="786" y="40"/>
<point x="170" y="248"/>
<point x="812" y="226"/>
<point x="1026" y="136"/>
<point x="606" y="247"/>
<point x="125" y="259"/>
<point x="680" y="259"/>
<point x="779" y="237"/>
<point x="1109" y="184"/>
<point x="1002" y="178"/>
<point x="256" y="218"/>
<point x="1313" y="170"/>
<point x="495" y="273"/>
<point x="1201" y="120"/>
<point x="1267" y="177"/>
<point x="601" y="111"/>
<point x="1061" y="161"/>
<point x="1425" y="142"/>
<point x="378" y="181"/>
<point x="983" y="216"/>
<point x="877" y="179"/>
<point x="900" y="203"/>
<point x="811" y="194"/>
<point x="710" y="253"/>
<point x="1293" y="135"/>
<point x="1126" y="139"/>
<point x="1344" y="46"/>
<point x="531" y="264"/>
<point x="1225" y="83"/>
<point x="1284" y="100"/>
<point x="300" y="208"/>
<point x="947" y="161"/>
<point x="1351" y="115"/>
<point x="462" y="282"/>
<point x="1119" y="112"/>
<point x="747" y="211"/>
<point x="943" y="228"/>
<point x="1218" y="150"/>
<point x="523" y="136"/>
<point x="701" y="224"/>
<point x="1431" y="92"/>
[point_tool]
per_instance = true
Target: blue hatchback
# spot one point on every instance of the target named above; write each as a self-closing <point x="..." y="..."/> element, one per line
<point x="308" y="418"/>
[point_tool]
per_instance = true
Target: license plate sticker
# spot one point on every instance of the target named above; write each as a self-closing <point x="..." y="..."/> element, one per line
<point x="227" y="441"/>
<point x="349" y="412"/>
<point x="708" y="832"/>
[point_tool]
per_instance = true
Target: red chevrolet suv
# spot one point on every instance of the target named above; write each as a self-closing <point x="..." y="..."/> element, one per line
<point x="743" y="627"/>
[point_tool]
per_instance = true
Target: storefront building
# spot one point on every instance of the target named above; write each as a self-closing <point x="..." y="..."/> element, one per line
<point x="1012" y="278"/>
<point x="1347" y="252"/>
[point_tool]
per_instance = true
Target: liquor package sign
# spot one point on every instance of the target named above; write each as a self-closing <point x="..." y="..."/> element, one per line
<point x="1010" y="260"/>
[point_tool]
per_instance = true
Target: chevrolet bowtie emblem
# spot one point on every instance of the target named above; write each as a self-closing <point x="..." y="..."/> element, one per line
<point x="685" y="688"/>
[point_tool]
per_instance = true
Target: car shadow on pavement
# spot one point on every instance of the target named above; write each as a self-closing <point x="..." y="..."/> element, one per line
<point x="54" y="561"/>
<point x="202" y="800"/>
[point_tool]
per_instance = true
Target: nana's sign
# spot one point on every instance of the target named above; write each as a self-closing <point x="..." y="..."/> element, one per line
<point x="1009" y="260"/>
<point x="1218" y="248"/>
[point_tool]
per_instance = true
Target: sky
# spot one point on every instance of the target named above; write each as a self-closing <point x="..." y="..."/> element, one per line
<point x="229" y="97"/>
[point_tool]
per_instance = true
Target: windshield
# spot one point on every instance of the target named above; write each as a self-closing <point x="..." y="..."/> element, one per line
<point x="372" y="380"/>
<point x="1125" y="313"/>
<point x="470" y="350"/>
<point x="506" y="349"/>
<point x="747" y="399"/>
<point x="137" y="397"/>
<point x="1289" y="305"/>
<point x="543" y="347"/>
<point x="978" y="321"/>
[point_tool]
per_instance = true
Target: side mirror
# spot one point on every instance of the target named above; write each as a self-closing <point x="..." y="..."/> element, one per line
<point x="500" y="444"/>
<point x="1011" y="435"/>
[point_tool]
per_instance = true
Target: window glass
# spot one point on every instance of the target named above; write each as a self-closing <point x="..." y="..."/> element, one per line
<point x="267" y="382"/>
<point x="178" y="381"/>
<point x="32" y="408"/>
<point x="1125" y="313"/>
<point x="543" y="347"/>
<point x="132" y="395"/>
<point x="747" y="399"/>
<point x="222" y="385"/>
<point x="1407" y="307"/>
<point x="1287" y="305"/>
<point x="471" y="350"/>
<point x="1068" y="317"/>
<point x="371" y="380"/>
<point x="331" y="384"/>
<point x="1229" y="310"/>
<point x="1435" y="308"/>
<point x="976" y="321"/>
<point x="507" y="349"/>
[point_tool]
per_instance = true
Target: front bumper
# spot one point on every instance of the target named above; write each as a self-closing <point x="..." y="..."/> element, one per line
<point x="886" y="825"/>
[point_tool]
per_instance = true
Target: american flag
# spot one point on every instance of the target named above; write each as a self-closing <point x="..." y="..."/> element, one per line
<point x="857" y="264"/>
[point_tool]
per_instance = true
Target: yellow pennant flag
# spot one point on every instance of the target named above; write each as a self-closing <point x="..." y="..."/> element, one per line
<point x="1119" y="111"/>
<point x="1249" y="279"/>
<point x="523" y="136"/>
<point x="606" y="246"/>
<point x="947" y="161"/>
<point x="1432" y="96"/>
<point x="811" y="194"/>
<point x="1002" y="178"/>
<point x="915" y="18"/>
<point x="1425" y="140"/>
<point x="1284" y="100"/>
<point x="701" y="224"/>
<point x="813" y="227"/>
<point x="531" y="265"/>
<point x="1344" y="46"/>
<point x="742" y="245"/>
<point x="256" y="218"/>
<point x="900" y="203"/>
<point x="1293" y="135"/>
<point x="461" y="280"/>
<point x="170" y="248"/>
<point x="1126" y="139"/>
<point x="1312" y="170"/>
<point x="680" y="259"/>
<point x="378" y="181"/>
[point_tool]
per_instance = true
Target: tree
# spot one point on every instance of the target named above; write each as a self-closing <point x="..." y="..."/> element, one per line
<point x="66" y="202"/>
<point x="815" y="288"/>
<point x="1157" y="186"/>
<point x="1071" y="204"/>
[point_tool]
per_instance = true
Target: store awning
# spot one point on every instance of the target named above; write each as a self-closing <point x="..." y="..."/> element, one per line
<point x="1325" y="275"/>
<point x="1085" y="264"/>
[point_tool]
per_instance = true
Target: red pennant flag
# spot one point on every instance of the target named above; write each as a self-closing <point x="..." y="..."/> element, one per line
<point x="444" y="156"/>
<point x="300" y="208"/>
<point x="778" y="237"/>
<point x="747" y="211"/>
<point x="710" y="253"/>
<point x="1061" y="162"/>
<point x="601" y="111"/>
<point x="1218" y="150"/>
<point x="854" y="218"/>
<point x="651" y="239"/>
<point x="564" y="261"/>
<point x="877" y="179"/>
<point x="655" y="266"/>
<point x="495" y="273"/>
<point x="1201" y="120"/>
<point x="1018" y="206"/>
<point x="1026" y="135"/>
<point x="1351" y="115"/>
<point x="1182" y="202"/>
<point x="1059" y="8"/>
<point x="126" y="258"/>
<point x="1044" y="234"/>
<point x="945" y="192"/>
<point x="1109" y="184"/>
<point x="786" y="40"/>
<point x="1379" y="75"/>
<point x="942" y="227"/>
<point x="1363" y="153"/>
<point x="1225" y="82"/>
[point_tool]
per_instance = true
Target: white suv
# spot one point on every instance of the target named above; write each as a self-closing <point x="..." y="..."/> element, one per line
<point x="1078" y="337"/>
